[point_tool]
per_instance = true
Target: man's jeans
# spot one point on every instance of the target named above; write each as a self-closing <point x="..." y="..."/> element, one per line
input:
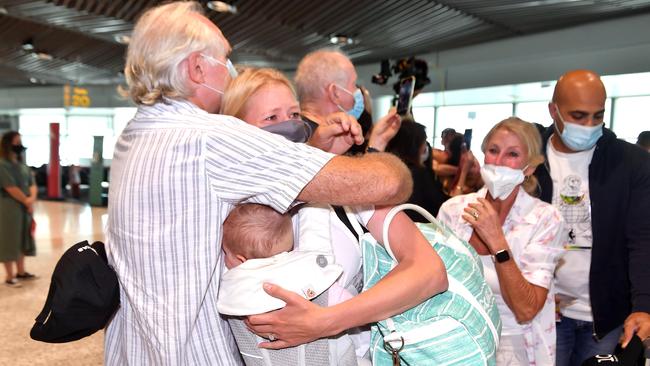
<point x="576" y="343"/>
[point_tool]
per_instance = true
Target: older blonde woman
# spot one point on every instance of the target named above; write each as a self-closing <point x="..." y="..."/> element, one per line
<point x="517" y="237"/>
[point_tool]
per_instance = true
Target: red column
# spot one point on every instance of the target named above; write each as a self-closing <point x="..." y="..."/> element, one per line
<point x="54" y="168"/>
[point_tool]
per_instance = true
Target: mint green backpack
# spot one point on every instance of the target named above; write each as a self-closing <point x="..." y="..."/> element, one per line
<point x="460" y="326"/>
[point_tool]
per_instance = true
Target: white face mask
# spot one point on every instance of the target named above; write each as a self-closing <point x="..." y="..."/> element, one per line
<point x="228" y="65"/>
<point x="501" y="180"/>
<point x="425" y="154"/>
<point x="213" y="89"/>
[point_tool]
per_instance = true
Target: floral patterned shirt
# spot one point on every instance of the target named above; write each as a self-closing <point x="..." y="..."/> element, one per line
<point x="532" y="230"/>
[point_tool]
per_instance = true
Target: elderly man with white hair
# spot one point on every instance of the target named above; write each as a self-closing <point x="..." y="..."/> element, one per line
<point x="326" y="83"/>
<point x="177" y="172"/>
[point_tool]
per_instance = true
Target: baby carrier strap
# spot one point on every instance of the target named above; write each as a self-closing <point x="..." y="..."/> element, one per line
<point x="321" y="352"/>
<point x="315" y="353"/>
<point x="343" y="213"/>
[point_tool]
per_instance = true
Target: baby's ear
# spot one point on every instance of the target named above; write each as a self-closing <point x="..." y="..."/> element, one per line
<point x="240" y="258"/>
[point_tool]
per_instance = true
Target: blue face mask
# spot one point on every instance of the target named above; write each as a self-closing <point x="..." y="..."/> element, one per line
<point x="358" y="107"/>
<point x="577" y="137"/>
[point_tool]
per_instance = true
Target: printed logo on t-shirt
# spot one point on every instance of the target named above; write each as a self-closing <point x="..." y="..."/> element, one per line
<point x="573" y="203"/>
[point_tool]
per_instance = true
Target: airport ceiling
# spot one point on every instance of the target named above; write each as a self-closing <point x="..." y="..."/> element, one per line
<point x="81" y="41"/>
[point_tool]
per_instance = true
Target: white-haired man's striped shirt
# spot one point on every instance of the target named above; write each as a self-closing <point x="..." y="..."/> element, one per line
<point x="176" y="174"/>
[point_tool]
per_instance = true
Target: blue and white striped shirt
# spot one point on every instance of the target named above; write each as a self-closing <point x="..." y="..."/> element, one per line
<point x="176" y="173"/>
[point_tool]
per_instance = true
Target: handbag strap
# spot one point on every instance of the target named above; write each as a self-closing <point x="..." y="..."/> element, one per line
<point x="454" y="243"/>
<point x="389" y="218"/>
<point x="454" y="285"/>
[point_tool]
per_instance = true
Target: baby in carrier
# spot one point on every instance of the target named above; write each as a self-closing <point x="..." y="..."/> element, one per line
<point x="258" y="244"/>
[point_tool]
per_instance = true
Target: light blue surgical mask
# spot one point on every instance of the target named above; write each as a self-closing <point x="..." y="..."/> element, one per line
<point x="358" y="107"/>
<point x="577" y="137"/>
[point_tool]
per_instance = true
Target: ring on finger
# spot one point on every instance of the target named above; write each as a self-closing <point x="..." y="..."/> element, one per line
<point x="272" y="337"/>
<point x="475" y="214"/>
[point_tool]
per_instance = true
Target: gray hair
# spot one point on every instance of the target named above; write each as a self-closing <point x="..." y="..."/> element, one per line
<point x="162" y="39"/>
<point x="317" y="70"/>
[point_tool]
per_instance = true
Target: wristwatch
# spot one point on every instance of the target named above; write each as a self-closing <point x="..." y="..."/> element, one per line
<point x="502" y="256"/>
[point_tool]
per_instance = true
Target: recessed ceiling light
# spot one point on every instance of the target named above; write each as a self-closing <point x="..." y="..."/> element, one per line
<point x="3" y="10"/>
<point x="122" y="38"/>
<point x="222" y="7"/>
<point x="342" y="40"/>
<point x="43" y="56"/>
<point x="28" y="45"/>
<point x="33" y="80"/>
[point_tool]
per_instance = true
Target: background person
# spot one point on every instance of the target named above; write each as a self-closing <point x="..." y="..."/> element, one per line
<point x="601" y="185"/>
<point x="17" y="197"/>
<point x="326" y="82"/>
<point x="178" y="170"/>
<point x="446" y="136"/>
<point x="460" y="174"/>
<point x="644" y="140"/>
<point x="409" y="144"/>
<point x="518" y="239"/>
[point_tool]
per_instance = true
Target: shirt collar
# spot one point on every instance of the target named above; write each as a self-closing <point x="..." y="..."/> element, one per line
<point x="520" y="210"/>
<point x="169" y="105"/>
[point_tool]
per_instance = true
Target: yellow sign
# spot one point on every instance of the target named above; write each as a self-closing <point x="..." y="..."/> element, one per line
<point x="74" y="96"/>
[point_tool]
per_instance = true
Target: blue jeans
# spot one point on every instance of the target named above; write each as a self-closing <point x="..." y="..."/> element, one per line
<point x="576" y="342"/>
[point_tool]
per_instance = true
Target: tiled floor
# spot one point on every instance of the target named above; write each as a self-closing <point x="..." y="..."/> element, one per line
<point x="59" y="225"/>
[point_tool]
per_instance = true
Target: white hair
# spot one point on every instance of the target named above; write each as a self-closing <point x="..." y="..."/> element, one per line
<point x="317" y="70"/>
<point x="162" y="39"/>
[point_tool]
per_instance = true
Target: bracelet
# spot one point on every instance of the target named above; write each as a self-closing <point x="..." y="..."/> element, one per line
<point x="371" y="149"/>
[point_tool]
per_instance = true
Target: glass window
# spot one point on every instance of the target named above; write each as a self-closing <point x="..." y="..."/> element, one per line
<point x="426" y="117"/>
<point x="121" y="117"/>
<point x="34" y="127"/>
<point x="536" y="112"/>
<point x="77" y="145"/>
<point x="480" y="118"/>
<point x="630" y="117"/>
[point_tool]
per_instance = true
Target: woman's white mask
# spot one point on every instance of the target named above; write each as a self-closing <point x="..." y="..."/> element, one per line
<point x="501" y="180"/>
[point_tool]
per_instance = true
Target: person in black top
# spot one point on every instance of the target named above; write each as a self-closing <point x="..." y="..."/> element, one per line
<point x="409" y="144"/>
<point x="601" y="184"/>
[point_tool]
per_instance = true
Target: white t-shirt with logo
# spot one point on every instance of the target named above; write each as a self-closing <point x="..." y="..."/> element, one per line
<point x="570" y="175"/>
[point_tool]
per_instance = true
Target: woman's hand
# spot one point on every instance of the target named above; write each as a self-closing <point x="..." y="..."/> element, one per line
<point x="300" y="321"/>
<point x="486" y="222"/>
<point x="384" y="130"/>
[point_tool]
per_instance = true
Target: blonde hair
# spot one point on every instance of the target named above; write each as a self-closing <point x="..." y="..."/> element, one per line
<point x="529" y="136"/>
<point x="247" y="83"/>
<point x="252" y="230"/>
<point x="162" y="39"/>
<point x="317" y="70"/>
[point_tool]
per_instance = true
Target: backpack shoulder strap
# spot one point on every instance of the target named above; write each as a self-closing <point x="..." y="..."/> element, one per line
<point x="47" y="308"/>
